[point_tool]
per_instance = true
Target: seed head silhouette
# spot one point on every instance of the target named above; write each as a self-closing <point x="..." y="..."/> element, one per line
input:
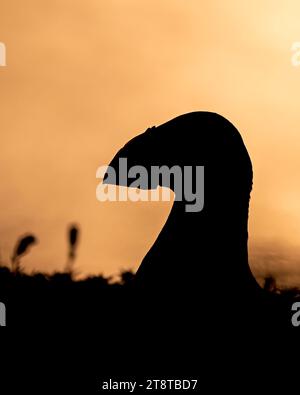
<point x="22" y="246"/>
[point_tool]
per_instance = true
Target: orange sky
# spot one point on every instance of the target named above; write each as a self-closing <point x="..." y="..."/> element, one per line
<point x="84" y="77"/>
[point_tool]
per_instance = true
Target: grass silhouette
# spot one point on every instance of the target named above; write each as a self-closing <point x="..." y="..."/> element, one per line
<point x="59" y="298"/>
<point x="21" y="248"/>
<point x="108" y="321"/>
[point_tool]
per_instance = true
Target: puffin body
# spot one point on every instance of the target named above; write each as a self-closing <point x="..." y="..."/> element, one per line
<point x="203" y="252"/>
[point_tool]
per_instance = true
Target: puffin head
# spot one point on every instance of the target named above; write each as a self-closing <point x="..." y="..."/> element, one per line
<point x="186" y="149"/>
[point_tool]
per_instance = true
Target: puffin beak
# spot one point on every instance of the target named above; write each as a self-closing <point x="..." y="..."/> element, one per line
<point x="133" y="154"/>
<point x="117" y="168"/>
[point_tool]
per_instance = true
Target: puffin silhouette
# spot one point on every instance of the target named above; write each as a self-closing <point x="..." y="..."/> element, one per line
<point x="198" y="253"/>
<point x="197" y="301"/>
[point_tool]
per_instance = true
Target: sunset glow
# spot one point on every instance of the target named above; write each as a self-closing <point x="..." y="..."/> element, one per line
<point x="82" y="78"/>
